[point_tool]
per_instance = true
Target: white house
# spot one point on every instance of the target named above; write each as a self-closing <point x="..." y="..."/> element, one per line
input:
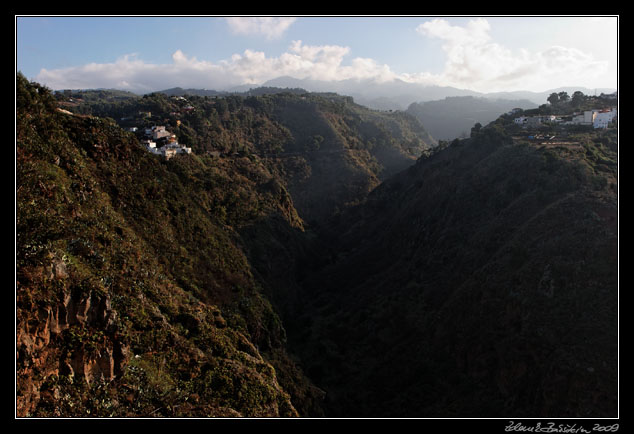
<point x="588" y="116"/>
<point x="174" y="148"/>
<point x="603" y="118"/>
<point x="157" y="132"/>
<point x="520" y="121"/>
<point x="596" y="118"/>
<point x="585" y="118"/>
<point x="168" y="151"/>
<point x="151" y="147"/>
<point x="160" y="132"/>
<point x="601" y="121"/>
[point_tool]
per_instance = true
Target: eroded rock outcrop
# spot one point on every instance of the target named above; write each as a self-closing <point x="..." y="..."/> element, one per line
<point x="75" y="337"/>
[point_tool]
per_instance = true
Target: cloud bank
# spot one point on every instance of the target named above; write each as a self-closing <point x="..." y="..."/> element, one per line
<point x="473" y="61"/>
<point x="318" y="62"/>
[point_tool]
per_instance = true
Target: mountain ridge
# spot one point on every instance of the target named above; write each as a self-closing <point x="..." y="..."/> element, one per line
<point x="391" y="95"/>
<point x="425" y="280"/>
<point x="134" y="296"/>
<point x="300" y="134"/>
<point x="455" y="116"/>
<point x="456" y="287"/>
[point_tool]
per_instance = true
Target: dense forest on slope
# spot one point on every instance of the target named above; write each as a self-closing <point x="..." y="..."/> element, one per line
<point x="327" y="150"/>
<point x="137" y="292"/>
<point x="481" y="282"/>
<point x="134" y="294"/>
<point x="310" y="258"/>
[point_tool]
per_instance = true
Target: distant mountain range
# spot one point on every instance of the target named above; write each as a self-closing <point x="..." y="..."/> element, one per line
<point x="392" y="95"/>
<point x="453" y="117"/>
<point x="398" y="94"/>
<point x="311" y="257"/>
<point x="446" y="112"/>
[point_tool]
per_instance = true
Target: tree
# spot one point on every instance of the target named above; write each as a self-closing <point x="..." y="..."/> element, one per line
<point x="544" y="109"/>
<point x="577" y="98"/>
<point x="563" y="96"/>
<point x="553" y="98"/>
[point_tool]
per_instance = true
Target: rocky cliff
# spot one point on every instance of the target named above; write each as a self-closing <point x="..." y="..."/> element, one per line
<point x="310" y="258"/>
<point x="134" y="296"/>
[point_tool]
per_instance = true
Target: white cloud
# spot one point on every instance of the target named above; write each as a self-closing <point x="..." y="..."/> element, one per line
<point x="476" y="32"/>
<point x="473" y="61"/>
<point x="476" y="62"/>
<point x="319" y="62"/>
<point x="271" y="27"/>
<point x="130" y="73"/>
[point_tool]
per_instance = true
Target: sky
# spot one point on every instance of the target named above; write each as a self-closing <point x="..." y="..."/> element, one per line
<point x="481" y="53"/>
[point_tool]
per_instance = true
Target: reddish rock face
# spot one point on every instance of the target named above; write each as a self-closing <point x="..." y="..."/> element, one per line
<point x="40" y="345"/>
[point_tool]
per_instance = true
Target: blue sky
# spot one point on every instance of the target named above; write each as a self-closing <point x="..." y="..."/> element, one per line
<point x="476" y="52"/>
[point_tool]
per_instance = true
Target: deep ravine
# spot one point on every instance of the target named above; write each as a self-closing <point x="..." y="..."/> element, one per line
<point x="479" y="280"/>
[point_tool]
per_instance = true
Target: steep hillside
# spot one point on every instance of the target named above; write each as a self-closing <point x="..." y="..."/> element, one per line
<point x="311" y="257"/>
<point x="134" y="294"/>
<point x="347" y="150"/>
<point x="481" y="282"/>
<point x="327" y="150"/>
<point x="455" y="116"/>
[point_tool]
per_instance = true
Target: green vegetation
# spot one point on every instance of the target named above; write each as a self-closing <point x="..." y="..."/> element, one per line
<point x="326" y="150"/>
<point x="310" y="258"/>
<point x="480" y="282"/>
<point x="154" y="273"/>
<point x="562" y="103"/>
<point x="132" y="277"/>
<point x="453" y="117"/>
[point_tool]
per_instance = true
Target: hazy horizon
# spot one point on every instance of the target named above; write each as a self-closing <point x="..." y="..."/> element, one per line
<point x="479" y="54"/>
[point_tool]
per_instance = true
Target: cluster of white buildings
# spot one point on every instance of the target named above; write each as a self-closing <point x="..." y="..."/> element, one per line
<point x="170" y="149"/>
<point x="596" y="118"/>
